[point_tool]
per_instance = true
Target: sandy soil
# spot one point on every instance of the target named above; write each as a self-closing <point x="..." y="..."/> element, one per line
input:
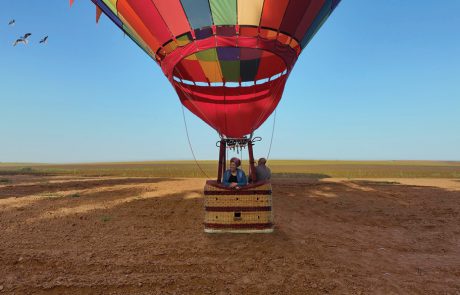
<point x="64" y="235"/>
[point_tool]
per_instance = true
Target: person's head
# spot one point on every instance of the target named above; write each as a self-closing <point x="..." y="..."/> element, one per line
<point x="234" y="163"/>
<point x="262" y="162"/>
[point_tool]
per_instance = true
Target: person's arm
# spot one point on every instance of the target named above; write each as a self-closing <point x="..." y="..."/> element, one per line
<point x="269" y="173"/>
<point x="242" y="180"/>
<point x="226" y="178"/>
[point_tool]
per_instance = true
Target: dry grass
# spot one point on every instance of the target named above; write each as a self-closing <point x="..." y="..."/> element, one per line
<point x="280" y="168"/>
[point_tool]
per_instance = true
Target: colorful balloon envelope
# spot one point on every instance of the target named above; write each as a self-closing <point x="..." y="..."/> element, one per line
<point x="228" y="60"/>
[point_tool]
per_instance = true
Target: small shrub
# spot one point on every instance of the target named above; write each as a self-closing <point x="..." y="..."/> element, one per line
<point x="4" y="180"/>
<point x="105" y="218"/>
<point x="50" y="195"/>
<point x="372" y="182"/>
<point x="74" y="196"/>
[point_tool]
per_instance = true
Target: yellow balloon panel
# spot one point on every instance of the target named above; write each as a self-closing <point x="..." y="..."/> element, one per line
<point x="249" y="12"/>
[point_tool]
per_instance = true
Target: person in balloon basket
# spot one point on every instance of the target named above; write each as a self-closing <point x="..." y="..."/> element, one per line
<point x="263" y="173"/>
<point x="235" y="177"/>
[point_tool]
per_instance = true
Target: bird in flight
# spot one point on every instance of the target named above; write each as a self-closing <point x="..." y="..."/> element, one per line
<point x="12" y="22"/>
<point x="23" y="40"/>
<point x="44" y="40"/>
<point x="20" y="41"/>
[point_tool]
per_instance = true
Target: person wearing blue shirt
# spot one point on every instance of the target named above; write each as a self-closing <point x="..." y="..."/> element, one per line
<point x="234" y="177"/>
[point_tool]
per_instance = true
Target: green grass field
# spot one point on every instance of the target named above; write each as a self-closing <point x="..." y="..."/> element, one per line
<point x="280" y="168"/>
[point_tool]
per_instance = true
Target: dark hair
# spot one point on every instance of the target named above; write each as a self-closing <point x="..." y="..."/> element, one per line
<point x="262" y="161"/>
<point x="236" y="161"/>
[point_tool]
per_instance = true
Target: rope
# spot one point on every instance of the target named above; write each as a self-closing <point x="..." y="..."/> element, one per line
<point x="273" y="132"/>
<point x="190" y="143"/>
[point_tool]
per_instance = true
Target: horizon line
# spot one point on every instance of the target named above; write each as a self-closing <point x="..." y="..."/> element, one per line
<point x="214" y="160"/>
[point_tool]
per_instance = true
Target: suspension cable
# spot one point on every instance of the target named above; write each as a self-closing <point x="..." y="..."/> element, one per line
<point x="190" y="143"/>
<point x="273" y="132"/>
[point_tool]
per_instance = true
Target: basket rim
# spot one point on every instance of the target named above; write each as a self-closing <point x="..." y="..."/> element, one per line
<point x="214" y="183"/>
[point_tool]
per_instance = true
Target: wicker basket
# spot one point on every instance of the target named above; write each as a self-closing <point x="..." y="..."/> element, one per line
<point x="246" y="210"/>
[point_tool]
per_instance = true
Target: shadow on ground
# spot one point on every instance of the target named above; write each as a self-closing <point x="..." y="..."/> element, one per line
<point x="310" y="176"/>
<point x="82" y="184"/>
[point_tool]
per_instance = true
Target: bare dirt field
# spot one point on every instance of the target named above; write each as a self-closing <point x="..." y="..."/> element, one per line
<point x="113" y="235"/>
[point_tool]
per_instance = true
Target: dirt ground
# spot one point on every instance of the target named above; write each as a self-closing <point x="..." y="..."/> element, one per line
<point x="67" y="235"/>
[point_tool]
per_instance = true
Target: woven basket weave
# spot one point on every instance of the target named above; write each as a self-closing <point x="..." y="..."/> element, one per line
<point x="246" y="210"/>
<point x="238" y="201"/>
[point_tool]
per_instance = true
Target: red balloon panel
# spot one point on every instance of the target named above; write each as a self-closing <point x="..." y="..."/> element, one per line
<point x="233" y="112"/>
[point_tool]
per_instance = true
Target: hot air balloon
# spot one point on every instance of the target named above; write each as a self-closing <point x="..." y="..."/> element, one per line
<point x="228" y="60"/>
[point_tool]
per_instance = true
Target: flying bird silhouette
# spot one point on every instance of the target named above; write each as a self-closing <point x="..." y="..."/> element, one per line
<point x="12" y="22"/>
<point x="44" y="40"/>
<point x="23" y="40"/>
<point x="19" y="41"/>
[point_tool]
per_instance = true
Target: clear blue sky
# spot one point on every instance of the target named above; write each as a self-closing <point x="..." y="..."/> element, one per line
<point x="381" y="80"/>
